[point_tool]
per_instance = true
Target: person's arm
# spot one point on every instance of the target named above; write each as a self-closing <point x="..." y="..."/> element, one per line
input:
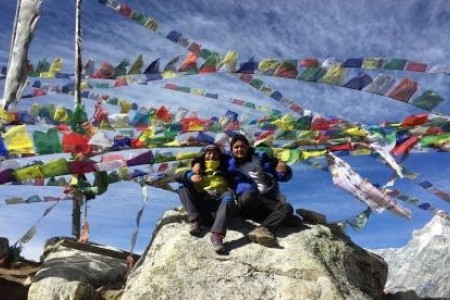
<point x="185" y="177"/>
<point x="279" y="169"/>
<point x="284" y="172"/>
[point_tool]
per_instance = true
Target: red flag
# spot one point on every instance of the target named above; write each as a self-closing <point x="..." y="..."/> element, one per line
<point x="405" y="146"/>
<point x="163" y="114"/>
<point x="414" y="120"/>
<point x="309" y="62"/>
<point x="416" y="66"/>
<point x="404" y="90"/>
<point x="189" y="64"/>
<point x="74" y="142"/>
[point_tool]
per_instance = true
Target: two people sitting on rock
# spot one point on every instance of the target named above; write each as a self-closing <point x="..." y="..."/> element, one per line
<point x="244" y="176"/>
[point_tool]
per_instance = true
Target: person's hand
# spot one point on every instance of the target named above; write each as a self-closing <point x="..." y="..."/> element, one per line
<point x="196" y="168"/>
<point x="196" y="178"/>
<point x="281" y="167"/>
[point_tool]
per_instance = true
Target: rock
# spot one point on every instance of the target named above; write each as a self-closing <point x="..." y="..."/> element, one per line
<point x="15" y="272"/>
<point x="12" y="290"/>
<point x="314" y="262"/>
<point x="71" y="270"/>
<point x="16" y="278"/>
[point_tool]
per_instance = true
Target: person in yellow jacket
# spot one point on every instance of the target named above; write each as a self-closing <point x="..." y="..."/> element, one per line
<point x="206" y="195"/>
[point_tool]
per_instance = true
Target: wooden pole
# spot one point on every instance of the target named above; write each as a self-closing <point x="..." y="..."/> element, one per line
<point x="78" y="61"/>
<point x="76" y="214"/>
<point x="78" y="196"/>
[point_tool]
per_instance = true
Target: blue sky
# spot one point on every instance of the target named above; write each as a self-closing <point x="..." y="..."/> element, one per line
<point x="413" y="30"/>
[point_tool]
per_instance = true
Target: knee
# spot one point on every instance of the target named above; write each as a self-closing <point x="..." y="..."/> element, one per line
<point x="182" y="192"/>
<point x="245" y="199"/>
<point x="287" y="208"/>
<point x="228" y="198"/>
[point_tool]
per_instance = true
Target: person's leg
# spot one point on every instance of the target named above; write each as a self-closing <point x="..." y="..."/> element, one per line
<point x="195" y="207"/>
<point x="188" y="199"/>
<point x="279" y="212"/>
<point x="224" y="213"/>
<point x="251" y="207"/>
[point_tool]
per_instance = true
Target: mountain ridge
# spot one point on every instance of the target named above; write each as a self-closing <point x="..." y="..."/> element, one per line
<point x="422" y="265"/>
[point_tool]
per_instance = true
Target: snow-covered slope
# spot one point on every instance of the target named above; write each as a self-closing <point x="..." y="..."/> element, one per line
<point x="423" y="264"/>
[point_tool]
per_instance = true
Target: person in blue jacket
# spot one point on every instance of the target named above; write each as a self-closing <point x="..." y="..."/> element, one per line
<point x="255" y="178"/>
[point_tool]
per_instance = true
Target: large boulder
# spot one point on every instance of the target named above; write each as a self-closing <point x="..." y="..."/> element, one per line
<point x="71" y="270"/>
<point x="314" y="262"/>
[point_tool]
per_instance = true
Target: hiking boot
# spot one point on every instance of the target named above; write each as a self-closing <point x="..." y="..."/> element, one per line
<point x="262" y="235"/>
<point x="294" y="221"/>
<point x="217" y="243"/>
<point x="195" y="228"/>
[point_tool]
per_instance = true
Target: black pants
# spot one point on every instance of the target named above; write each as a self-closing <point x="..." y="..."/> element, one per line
<point x="209" y="210"/>
<point x="269" y="211"/>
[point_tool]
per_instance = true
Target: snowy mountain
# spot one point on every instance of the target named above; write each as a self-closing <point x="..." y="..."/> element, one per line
<point x="423" y="264"/>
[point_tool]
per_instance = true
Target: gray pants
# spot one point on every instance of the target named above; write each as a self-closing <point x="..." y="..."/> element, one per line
<point x="206" y="209"/>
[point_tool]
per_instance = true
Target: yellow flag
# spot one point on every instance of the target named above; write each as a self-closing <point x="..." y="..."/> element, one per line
<point x="174" y="143"/>
<point x="136" y="66"/>
<point x="372" y="63"/>
<point x="61" y="115"/>
<point x="4" y="115"/>
<point x="197" y="91"/>
<point x="56" y="65"/>
<point x="125" y="106"/>
<point x="84" y="85"/>
<point x="28" y="172"/>
<point x="335" y="75"/>
<point x="355" y="131"/>
<point x="46" y="75"/>
<point x="17" y="140"/>
<point x="305" y="155"/>
<point x="228" y="63"/>
<point x="186" y="155"/>
<point x="147" y="133"/>
<point x="268" y="66"/>
<point x="287" y="122"/>
<point x="288" y="156"/>
<point x="73" y="180"/>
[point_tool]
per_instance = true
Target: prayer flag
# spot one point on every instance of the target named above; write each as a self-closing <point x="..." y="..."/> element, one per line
<point x="209" y="66"/>
<point x="136" y="66"/>
<point x="248" y="67"/>
<point x="17" y="140"/>
<point x="228" y="63"/>
<point x="347" y="179"/>
<point x="404" y="90"/>
<point x="268" y="66"/>
<point x="189" y="64"/>
<point x="287" y="69"/>
<point x="170" y="71"/>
